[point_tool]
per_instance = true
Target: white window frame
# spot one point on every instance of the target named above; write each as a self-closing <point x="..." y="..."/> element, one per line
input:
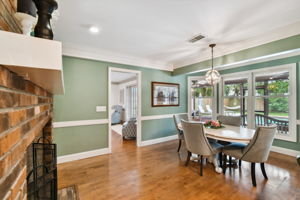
<point x="214" y="97"/>
<point x="291" y="68"/>
<point x="234" y="76"/>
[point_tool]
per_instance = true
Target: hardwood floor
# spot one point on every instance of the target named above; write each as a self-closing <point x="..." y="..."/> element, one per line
<point x="158" y="172"/>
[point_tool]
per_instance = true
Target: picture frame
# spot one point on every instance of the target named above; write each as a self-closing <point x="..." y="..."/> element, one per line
<point x="165" y="94"/>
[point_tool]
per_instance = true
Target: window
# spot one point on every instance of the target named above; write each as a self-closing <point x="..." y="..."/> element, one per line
<point x="235" y="97"/>
<point x="122" y="97"/>
<point x="201" y="101"/>
<point x="262" y="97"/>
<point x="132" y="101"/>
<point x="272" y="100"/>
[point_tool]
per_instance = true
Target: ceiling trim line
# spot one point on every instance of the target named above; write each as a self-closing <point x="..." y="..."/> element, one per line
<point x="105" y="56"/>
<point x="280" y="55"/>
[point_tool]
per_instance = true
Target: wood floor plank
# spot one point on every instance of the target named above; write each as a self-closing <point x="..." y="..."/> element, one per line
<point x="157" y="172"/>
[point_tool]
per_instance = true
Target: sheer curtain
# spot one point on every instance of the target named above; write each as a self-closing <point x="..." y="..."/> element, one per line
<point x="132" y="101"/>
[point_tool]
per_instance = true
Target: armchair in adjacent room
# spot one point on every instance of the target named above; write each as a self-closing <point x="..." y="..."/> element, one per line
<point x="117" y="115"/>
<point x="129" y="129"/>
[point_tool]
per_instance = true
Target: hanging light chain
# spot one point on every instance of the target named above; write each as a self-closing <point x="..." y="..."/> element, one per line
<point x="212" y="76"/>
<point x="212" y="58"/>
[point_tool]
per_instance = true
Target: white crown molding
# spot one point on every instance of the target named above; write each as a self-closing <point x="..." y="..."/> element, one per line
<point x="82" y="155"/>
<point x="280" y="55"/>
<point x="285" y="151"/>
<point x="79" y="123"/>
<point x="107" y="56"/>
<point x="152" y="117"/>
<point x="80" y="51"/>
<point x="274" y="35"/>
<point x="159" y="140"/>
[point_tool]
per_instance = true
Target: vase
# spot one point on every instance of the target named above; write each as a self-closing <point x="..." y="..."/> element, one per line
<point x="45" y="9"/>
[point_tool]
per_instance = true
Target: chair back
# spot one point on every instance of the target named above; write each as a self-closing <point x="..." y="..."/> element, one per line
<point x="195" y="139"/>
<point x="177" y="119"/>
<point x="117" y="108"/>
<point x="129" y="128"/>
<point x="230" y="120"/>
<point x="259" y="148"/>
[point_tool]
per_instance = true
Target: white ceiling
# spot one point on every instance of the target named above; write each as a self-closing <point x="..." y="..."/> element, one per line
<point x="155" y="33"/>
<point x="119" y="77"/>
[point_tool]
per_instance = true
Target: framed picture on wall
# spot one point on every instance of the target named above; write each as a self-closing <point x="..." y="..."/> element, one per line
<point x="164" y="94"/>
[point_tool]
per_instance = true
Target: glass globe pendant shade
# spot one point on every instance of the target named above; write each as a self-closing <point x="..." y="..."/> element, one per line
<point x="213" y="77"/>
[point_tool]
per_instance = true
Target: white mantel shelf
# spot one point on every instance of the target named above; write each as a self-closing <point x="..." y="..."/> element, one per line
<point x="38" y="59"/>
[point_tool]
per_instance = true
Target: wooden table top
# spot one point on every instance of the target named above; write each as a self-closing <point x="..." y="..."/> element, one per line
<point x="229" y="133"/>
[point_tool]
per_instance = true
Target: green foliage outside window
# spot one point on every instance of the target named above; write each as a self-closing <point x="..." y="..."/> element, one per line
<point x="203" y="92"/>
<point x="278" y="87"/>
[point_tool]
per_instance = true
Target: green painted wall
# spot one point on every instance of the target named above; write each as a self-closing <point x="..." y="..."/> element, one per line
<point x="86" y="86"/>
<point x="273" y="63"/>
<point x="153" y="129"/>
<point x="254" y="52"/>
<point x="80" y="138"/>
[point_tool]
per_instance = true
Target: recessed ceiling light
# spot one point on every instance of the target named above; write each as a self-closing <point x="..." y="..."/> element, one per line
<point x="94" y="29"/>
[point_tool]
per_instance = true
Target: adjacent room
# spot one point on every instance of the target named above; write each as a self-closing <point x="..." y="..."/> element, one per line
<point x="123" y="102"/>
<point x="148" y="100"/>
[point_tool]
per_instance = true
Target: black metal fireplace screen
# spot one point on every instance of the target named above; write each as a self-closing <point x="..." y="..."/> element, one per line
<point x="42" y="178"/>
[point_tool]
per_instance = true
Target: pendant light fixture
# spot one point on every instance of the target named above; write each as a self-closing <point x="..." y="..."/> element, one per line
<point x="212" y="76"/>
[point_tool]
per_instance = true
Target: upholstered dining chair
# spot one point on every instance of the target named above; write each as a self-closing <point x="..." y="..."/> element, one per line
<point x="197" y="143"/>
<point x="232" y="121"/>
<point x="257" y="151"/>
<point x="177" y="119"/>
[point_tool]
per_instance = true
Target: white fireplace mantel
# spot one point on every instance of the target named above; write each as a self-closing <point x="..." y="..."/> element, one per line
<point x="38" y="60"/>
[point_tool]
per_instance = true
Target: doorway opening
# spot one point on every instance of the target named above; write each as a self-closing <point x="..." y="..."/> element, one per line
<point x="124" y="104"/>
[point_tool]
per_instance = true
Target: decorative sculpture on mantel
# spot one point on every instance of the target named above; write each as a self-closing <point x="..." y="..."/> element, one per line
<point x="26" y="14"/>
<point x="45" y="9"/>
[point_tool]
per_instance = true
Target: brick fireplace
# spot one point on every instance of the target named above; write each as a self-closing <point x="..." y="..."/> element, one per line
<point x="26" y="107"/>
<point x="25" y="115"/>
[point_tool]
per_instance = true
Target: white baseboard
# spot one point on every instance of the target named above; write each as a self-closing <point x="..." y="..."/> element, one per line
<point x="159" y="140"/>
<point x="82" y="155"/>
<point x="285" y="151"/>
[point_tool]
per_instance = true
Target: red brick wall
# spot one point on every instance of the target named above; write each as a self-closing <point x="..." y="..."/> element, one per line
<point x="25" y="109"/>
<point x="8" y="22"/>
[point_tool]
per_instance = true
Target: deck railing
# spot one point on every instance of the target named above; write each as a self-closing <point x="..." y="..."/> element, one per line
<point x="264" y="120"/>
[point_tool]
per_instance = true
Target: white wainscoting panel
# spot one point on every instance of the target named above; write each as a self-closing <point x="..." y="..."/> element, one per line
<point x="79" y="123"/>
<point x="152" y="117"/>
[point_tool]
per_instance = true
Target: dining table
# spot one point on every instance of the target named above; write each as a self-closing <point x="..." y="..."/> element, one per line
<point x="228" y="133"/>
<point x="225" y="133"/>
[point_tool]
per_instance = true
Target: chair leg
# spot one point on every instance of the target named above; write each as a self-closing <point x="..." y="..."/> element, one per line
<point x="201" y="165"/>
<point x="189" y="154"/>
<point x="262" y="166"/>
<point x="224" y="163"/>
<point x="253" y="174"/>
<point x="240" y="163"/>
<point x="220" y="159"/>
<point x="179" y="145"/>
<point x="230" y="162"/>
